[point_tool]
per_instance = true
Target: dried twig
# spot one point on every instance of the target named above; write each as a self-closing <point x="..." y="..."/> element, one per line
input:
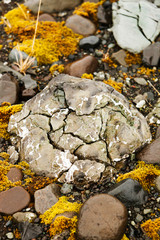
<point x="154" y="87"/>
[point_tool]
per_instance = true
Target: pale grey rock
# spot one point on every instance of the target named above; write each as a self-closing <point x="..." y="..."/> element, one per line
<point x="50" y="6"/>
<point x="16" y="55"/>
<point x="66" y="188"/>
<point x="29" y="82"/>
<point x="154" y="115"/>
<point x="24" y="216"/>
<point x="76" y="127"/>
<point x="45" y="198"/>
<point x="135" y="24"/>
<point x="140" y="81"/>
<point x="13" y="154"/>
<point x="6" y="69"/>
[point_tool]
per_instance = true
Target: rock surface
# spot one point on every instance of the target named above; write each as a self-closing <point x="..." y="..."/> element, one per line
<point x="75" y="126"/>
<point x="49" y="6"/>
<point x="87" y="64"/>
<point x="24" y="216"/>
<point x="13" y="200"/>
<point x="89" y="42"/>
<point x="151" y="54"/>
<point x="15" y="174"/>
<point x="129" y="192"/>
<point x="102" y="217"/>
<point x="80" y="25"/>
<point x="135" y="24"/>
<point x="45" y="198"/>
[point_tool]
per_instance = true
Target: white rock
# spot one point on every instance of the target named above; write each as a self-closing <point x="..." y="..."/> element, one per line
<point x="10" y="235"/>
<point x="140" y="104"/>
<point x="136" y="23"/>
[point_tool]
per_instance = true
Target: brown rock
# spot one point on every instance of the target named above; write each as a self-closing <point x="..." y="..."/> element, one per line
<point x="15" y="174"/>
<point x="14" y="200"/>
<point x="80" y="25"/>
<point x="28" y="93"/>
<point x="150" y="153"/>
<point x="102" y="217"/>
<point x="157" y="133"/>
<point x="8" y="89"/>
<point x="46" y="17"/>
<point x="151" y="54"/>
<point x="120" y="57"/>
<point x="87" y="64"/>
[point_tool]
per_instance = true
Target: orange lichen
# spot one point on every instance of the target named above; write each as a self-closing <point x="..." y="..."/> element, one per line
<point x="17" y="234"/>
<point x="88" y="9"/>
<point x="6" y="110"/>
<point x="54" y="40"/>
<point x="107" y="59"/>
<point x="151" y="228"/>
<point x="132" y="58"/>
<point x="1" y="47"/>
<point x="56" y="67"/>
<point x="125" y="237"/>
<point x="63" y="205"/>
<point x="144" y="173"/>
<point x="117" y="86"/>
<point x="146" y="71"/>
<point x="87" y="76"/>
<point x="62" y="223"/>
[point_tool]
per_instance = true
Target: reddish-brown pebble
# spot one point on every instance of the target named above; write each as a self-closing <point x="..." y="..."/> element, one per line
<point x="87" y="64"/>
<point x="14" y="200"/>
<point x="15" y="174"/>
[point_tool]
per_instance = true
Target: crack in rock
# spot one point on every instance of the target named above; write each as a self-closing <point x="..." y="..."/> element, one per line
<point x="72" y="128"/>
<point x="138" y="20"/>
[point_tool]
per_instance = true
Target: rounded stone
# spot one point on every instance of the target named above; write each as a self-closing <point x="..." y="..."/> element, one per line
<point x="102" y="217"/>
<point x="14" y="200"/>
<point x="89" y="42"/>
<point x="15" y="174"/>
<point x="87" y="64"/>
<point x="80" y="25"/>
<point x="46" y="17"/>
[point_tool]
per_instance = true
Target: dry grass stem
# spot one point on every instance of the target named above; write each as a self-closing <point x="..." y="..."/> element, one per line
<point x="25" y="16"/>
<point x="153" y="87"/>
<point x="5" y="20"/>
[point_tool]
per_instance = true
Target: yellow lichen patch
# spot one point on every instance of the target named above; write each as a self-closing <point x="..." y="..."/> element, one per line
<point x="117" y="86"/>
<point x="17" y="234"/>
<point x="146" y="71"/>
<point x="109" y="61"/>
<point x="54" y="40"/>
<point x="7" y="218"/>
<point x="4" y="155"/>
<point x="144" y="173"/>
<point x="63" y="205"/>
<point x="87" y="76"/>
<point x="1" y="47"/>
<point x="125" y="237"/>
<point x="56" y="67"/>
<point x="132" y="58"/>
<point x="6" y="110"/>
<point x="151" y="228"/>
<point x="62" y="223"/>
<point x="88" y="9"/>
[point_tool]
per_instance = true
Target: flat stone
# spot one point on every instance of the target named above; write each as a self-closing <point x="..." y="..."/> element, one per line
<point x="15" y="174"/>
<point x="87" y="64"/>
<point x="151" y="54"/>
<point x="120" y="57"/>
<point x="13" y="200"/>
<point x="45" y="198"/>
<point x="29" y="82"/>
<point x="129" y="192"/>
<point x="8" y="89"/>
<point x="75" y="127"/>
<point x="6" y="69"/>
<point x="140" y="81"/>
<point x="89" y="42"/>
<point x="102" y="217"/>
<point x="135" y="24"/>
<point x="28" y="93"/>
<point x="24" y="216"/>
<point x="150" y="153"/>
<point x="80" y="25"/>
<point x="46" y="17"/>
<point x="49" y="6"/>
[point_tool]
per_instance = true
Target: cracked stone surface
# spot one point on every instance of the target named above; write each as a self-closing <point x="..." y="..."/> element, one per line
<point x="77" y="129"/>
<point x="139" y="20"/>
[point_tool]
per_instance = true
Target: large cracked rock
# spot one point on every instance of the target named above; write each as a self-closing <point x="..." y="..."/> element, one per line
<point x="136" y="23"/>
<point x="76" y="128"/>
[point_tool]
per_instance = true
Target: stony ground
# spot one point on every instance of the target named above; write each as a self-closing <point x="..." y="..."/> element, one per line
<point x="134" y="91"/>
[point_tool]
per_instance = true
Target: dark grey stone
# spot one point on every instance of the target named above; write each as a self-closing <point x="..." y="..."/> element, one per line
<point x="89" y="42"/>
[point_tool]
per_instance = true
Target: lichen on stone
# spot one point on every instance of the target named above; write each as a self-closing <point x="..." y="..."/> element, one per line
<point x="87" y="76"/>
<point x="56" y="67"/>
<point x="144" y="173"/>
<point x="54" y="39"/>
<point x="88" y="9"/>
<point x="132" y="58"/>
<point x="107" y="59"/>
<point x="117" y="86"/>
<point x="151" y="228"/>
<point x="6" y="110"/>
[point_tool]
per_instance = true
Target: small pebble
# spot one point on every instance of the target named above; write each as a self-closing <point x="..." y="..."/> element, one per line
<point x="10" y="235"/>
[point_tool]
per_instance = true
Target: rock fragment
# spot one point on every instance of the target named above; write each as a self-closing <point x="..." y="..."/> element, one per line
<point x="80" y="25"/>
<point x="89" y="42"/>
<point x="15" y="174"/>
<point x="13" y="200"/>
<point x="102" y="217"/>
<point x="151" y="54"/>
